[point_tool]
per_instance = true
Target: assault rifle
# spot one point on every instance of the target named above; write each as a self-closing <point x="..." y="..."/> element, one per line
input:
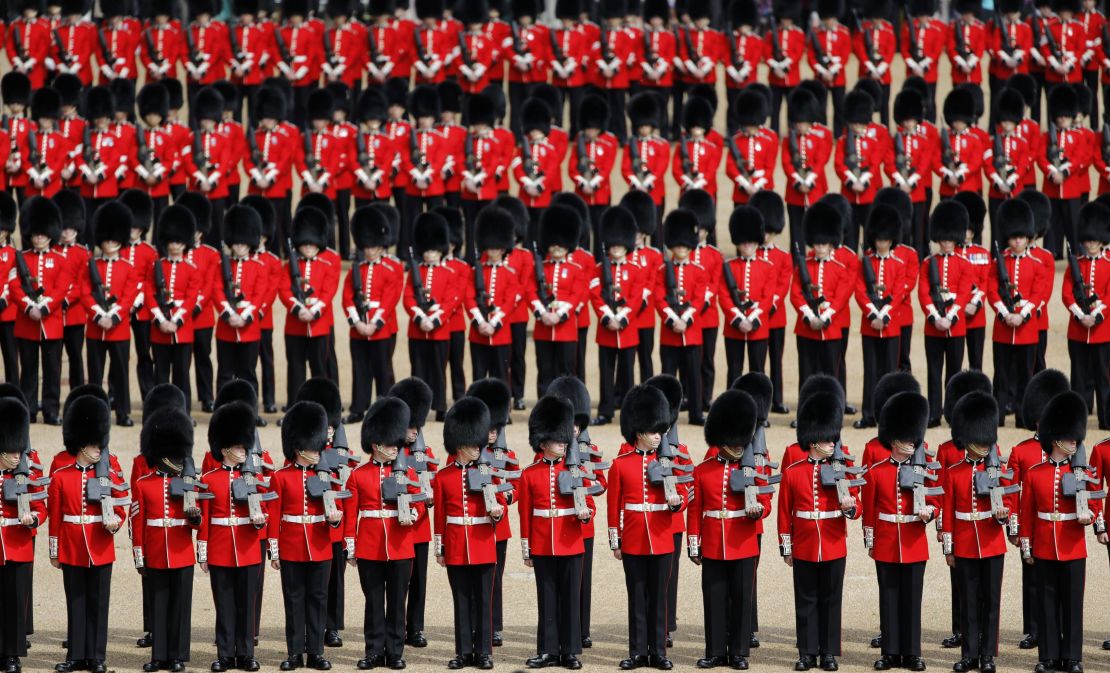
<point x="101" y="295"/>
<point x="424" y="300"/>
<point x="749" y="481"/>
<point x="395" y="489"/>
<point x="421" y="463"/>
<point x="232" y="291"/>
<point x="1074" y="484"/>
<point x="837" y="473"/>
<point x="614" y="305"/>
<point x="101" y="490"/>
<point x="31" y="289"/>
<point x="18" y="488"/>
<point x="572" y="482"/>
<point x="161" y="292"/>
<point x="901" y="158"/>
<point x="190" y="488"/>
<point x="1084" y="293"/>
<point x="912" y="477"/>
<point x="298" y="286"/>
<point x="319" y="486"/>
<point x="358" y="297"/>
<point x="1052" y="147"/>
<point x="936" y="290"/>
<point x="665" y="470"/>
<point x="479" y="479"/>
<point x="245" y="488"/>
<point x="482" y="295"/>
<point x="64" y="54"/>
<point x="813" y="300"/>
<point x="543" y="289"/>
<point x="776" y="43"/>
<point x="989" y="481"/>
<point x="1007" y="292"/>
<point x="873" y="289"/>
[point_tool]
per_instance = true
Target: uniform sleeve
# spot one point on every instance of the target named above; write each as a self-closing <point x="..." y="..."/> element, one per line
<point x="613" y="501"/>
<point x="785" y="513"/>
<point x="693" y="511"/>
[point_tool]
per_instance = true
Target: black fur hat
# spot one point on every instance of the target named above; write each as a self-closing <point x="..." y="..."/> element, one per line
<point x="559" y="225"/>
<point x="339" y="8"/>
<point x="974" y="420"/>
<point x="702" y="204"/>
<point x="961" y="384"/>
<point x="697" y="112"/>
<point x="820" y="95"/>
<point x="162" y="396"/>
<point x="241" y="7"/>
<point x="891" y="384"/>
<point x="743" y="13"/>
<point x="340" y="97"/>
<point x="1065" y="6"/>
<point x="496" y="96"/>
<point x="1063" y="418"/>
<point x="98" y="103"/>
<point x="523" y="8"/>
<point x="1008" y="6"/>
<point x="751" y="108"/>
<point x="680" y="228"/>
<point x="87" y="422"/>
<point x="231" y="425"/>
<point x="771" y="206"/>
<point x="698" y="9"/>
<point x="70" y="7"/>
<point x="88" y="389"/>
<point x="112" y="222"/>
<point x="859" y="108"/>
<point x="903" y="418"/>
<point x="40" y="215"/>
<point x="656" y="8"/>
<point x="884" y="223"/>
<point x="820" y="418"/>
<point x="270" y="103"/>
<point x="480" y="110"/>
<point x="320" y="202"/>
<point x="154" y="99"/>
<point x="976" y="209"/>
<point x="829" y="9"/>
<point x="922" y="7"/>
<point x="731" y="420"/>
<point x="959" y="105"/>
<point x="497" y="398"/>
<point x="201" y="208"/>
<point x="1014" y="218"/>
<point x="265" y="210"/>
<point x="551" y="96"/>
<point x="1042" y="209"/>
<point x="822" y="224"/>
<point x="209" y="104"/>
<point x="454" y="219"/>
<point x="1010" y="106"/>
<point x="1044" y="385"/>
<point x="494" y="229"/>
<point x="167" y="435"/>
<point x="237" y="390"/>
<point x="802" y="106"/>
<point x="17" y="424"/>
<point x="1093" y="220"/>
<point x="424" y="102"/>
<point x="643" y="111"/>
<point x="573" y="390"/>
<point x="430" y="232"/>
<point x="644" y="409"/>
<point x="593" y="113"/>
<point x="745" y="225"/>
<point x="1083" y="97"/>
<point x="466" y="424"/>
<point x="396" y="92"/>
<point x="949" y="222"/>
<point x="417" y="395"/>
<point x="614" y="9"/>
<point x="672" y="390"/>
<point x="310" y="227"/>
<point x="567" y="9"/>
<point x="369" y="228"/>
<point x="392" y="218"/>
<point x="473" y="11"/>
<point x="371" y="105"/>
<point x="618" y="227"/>
<point x="518" y="210"/>
<point x="899" y="201"/>
<point x="242" y="225"/>
<point x="578" y="206"/>
<point x="535" y="116"/>
<point x="1062" y="102"/>
<point x="9" y="212"/>
<point x="551" y="420"/>
<point x="784" y="9"/>
<point x="386" y="424"/>
<point x="875" y="9"/>
<point x="72" y="207"/>
<point x="176" y="92"/>
<point x="450" y="96"/>
<point x="643" y="210"/>
<point x="379" y="7"/>
<point x="429" y="9"/>
<point x="908" y="105"/>
<point x="14" y="392"/>
<point x="46" y="104"/>
<point x="295" y="8"/>
<point x="15" y="88"/>
<point x="759" y="386"/>
<point x="304" y="428"/>
<point x="324" y="392"/>
<point x="230" y="93"/>
<point x="968" y="6"/>
<point x="320" y="105"/>
<point x="1026" y="86"/>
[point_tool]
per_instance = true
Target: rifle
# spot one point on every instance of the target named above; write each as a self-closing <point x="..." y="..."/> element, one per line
<point x="1073" y="484"/>
<point x="528" y="163"/>
<point x="421" y="462"/>
<point x="1050" y="40"/>
<point x="749" y="480"/>
<point x="1106" y="142"/>
<point x="372" y="47"/>
<point x="190" y="488"/>
<point x="776" y="44"/>
<point x="675" y="298"/>
<point x="420" y="293"/>
<point x="256" y="154"/>
<point x="998" y="159"/>
<point x="814" y="301"/>
<point x="734" y="55"/>
<point x="572" y="482"/>
<point x="649" y="52"/>
<point x="684" y="154"/>
<point x="34" y="156"/>
<point x="339" y="456"/>
<point x="586" y="166"/>
<point x="946" y="156"/>
<point x="851" y="157"/>
<point x="464" y="52"/>
<point x="233" y="41"/>
<point x="543" y="290"/>
<point x="741" y="162"/>
<point x="88" y="152"/>
<point x="901" y="159"/>
<point x="105" y="51"/>
<point x="989" y="481"/>
<point x="484" y="300"/>
<point x="319" y="486"/>
<point x="396" y="489"/>
<point x="416" y="157"/>
<point x="868" y="43"/>
<point x="245" y="487"/>
<point x="18" y="488"/>
<point x="871" y="283"/>
<point x="796" y="160"/>
<point x="1052" y="147"/>
<point x="479" y="479"/>
<point x="421" y="52"/>
<point x="100" y="490"/>
<point x="283" y="49"/>
<point x="104" y="301"/>
<point x="614" y="304"/>
<point x="665" y="469"/>
<point x="586" y="448"/>
<point x="310" y="161"/>
<point x="63" y="53"/>
<point x="691" y="51"/>
<point x="739" y="299"/>
<point x="818" y="50"/>
<point x="147" y="158"/>
<point x="329" y="49"/>
<point x="606" y="54"/>
<point x="1004" y="34"/>
<point x="232" y="290"/>
<point x="17" y="39"/>
<point x="361" y="308"/>
<point x="1006" y="290"/>
<point x="915" y="44"/>
<point x="961" y="42"/>
<point x="200" y="157"/>
<point x="196" y="57"/>
<point x="26" y="282"/>
<point x="634" y="156"/>
<point x="936" y="292"/>
<point x="556" y="48"/>
<point x="837" y="473"/>
<point x="161" y="294"/>
<point x="155" y="54"/>
<point x="1084" y="293"/>
<point x="912" y="477"/>
<point x="301" y="289"/>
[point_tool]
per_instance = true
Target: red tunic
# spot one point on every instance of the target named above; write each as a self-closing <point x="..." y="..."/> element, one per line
<point x="381" y="291"/>
<point x="1020" y="37"/>
<point x="464" y="530"/>
<point x="653" y="157"/>
<point x="968" y="520"/>
<point x="832" y="280"/>
<point x="1095" y="276"/>
<point x="17" y="542"/>
<point x="756" y="282"/>
<point x="161" y="535"/>
<point x="900" y="536"/>
<point x="875" y="65"/>
<point x="836" y="47"/>
<point x="249" y="278"/>
<point x="800" y="531"/>
<point x="792" y="42"/>
<point x="370" y="524"/>
<point x="226" y="537"/>
<point x="120" y="280"/>
<point x="691" y="287"/>
<point x="931" y="36"/>
<point x="956" y="278"/>
<point x="1047" y="524"/>
<point x="535" y="190"/>
<point x="967" y="155"/>
<point x="715" y="518"/>
<point x="549" y="526"/>
<point x="445" y="289"/>
<point x="890" y="272"/>
<point x="321" y="280"/>
<point x="77" y="533"/>
<point x="966" y="66"/>
<point x="814" y="150"/>
<point x="35" y="46"/>
<point x="50" y="273"/>
<point x="183" y="286"/>
<point x="568" y="285"/>
<point x="758" y="154"/>
<point x="503" y="292"/>
<point x="870" y="154"/>
<point x="1028" y="275"/>
<point x="1076" y="155"/>
<point x="297" y="529"/>
<point x="629" y="283"/>
<point x="601" y="156"/>
<point x="640" y="520"/>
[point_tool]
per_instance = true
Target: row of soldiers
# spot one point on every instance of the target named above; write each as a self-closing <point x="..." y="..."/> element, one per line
<point x="326" y="508"/>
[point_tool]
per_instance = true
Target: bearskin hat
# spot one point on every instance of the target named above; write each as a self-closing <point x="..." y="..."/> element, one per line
<point x="396" y="93"/>
<point x="535" y="116"/>
<point x="551" y="97"/>
<point x="201" y="208"/>
<point x="614" y="9"/>
<point x="494" y="229"/>
<point x="618" y="227"/>
<point x="1093" y="220"/>
<point x="202" y="7"/>
<point x="672" y="390"/>
<point x="1064" y="418"/>
<point x="167" y="435"/>
<point x="680" y="228"/>
<point x="752" y="108"/>
<point x="112" y="222"/>
<point x="339" y="8"/>
<point x="497" y="398"/>
<point x="474" y="11"/>
<point x="976" y="209"/>
<point x="237" y="390"/>
<point x="959" y="106"/>
<point x="822" y="224"/>
<point x="884" y="223"/>
<point x="417" y="395"/>
<point x="1062" y="102"/>
<point x="742" y="13"/>
<point x="551" y="420"/>
<point x="899" y="201"/>
<point x="961" y="384"/>
<point x="176" y="224"/>
<point x="163" y="396"/>
<point x="466" y="424"/>
<point x="858" y="108"/>
<point x="241" y="7"/>
<point x="1025" y="85"/>
<point x="265" y="210"/>
<point x="745" y="225"/>
<point x="479" y="110"/>
<point x="567" y="9"/>
<point x="87" y="422"/>
<point x="11" y="390"/>
<point x="450" y="96"/>
<point x="231" y="425"/>
<point x="99" y="103"/>
<point x="69" y="88"/>
<point x="123" y="95"/>
<point x="908" y="105"/>
<point x="386" y="424"/>
<point x="820" y="418"/>
<point x="949" y="222"/>
<point x="294" y="8"/>
<point x="369" y="228"/>
<point x="643" y="210"/>
<point x="697" y="113"/>
<point x="71" y="7"/>
<point x="209" y="104"/>
<point x="154" y="99"/>
<point x="15" y="88"/>
<point x="1042" y="210"/>
<point x="320" y="202"/>
<point x="176" y="93"/>
<point x="522" y="8"/>
<point x="891" y="384"/>
<point x="371" y="106"/>
<point x="9" y="212"/>
<point x="17" y="425"/>
<point x="518" y="210"/>
<point x="771" y="206"/>
<point x="1010" y="106"/>
<point x="655" y="8"/>
<point x="380" y="7"/>
<point x="230" y="94"/>
<point x="702" y="204"/>
<point x="320" y="105"/>
<point x="922" y="7"/>
<point x="559" y="226"/>
<point x="40" y="215"/>
<point x="643" y="111"/>
<point x="304" y="428"/>
<point x="593" y="113"/>
<point x="731" y="420"/>
<point x="424" y="102"/>
<point x="759" y="386"/>
<point x="644" y="409"/>
<point x="903" y="418"/>
<point x="1059" y="6"/>
<point x="324" y="392"/>
<point x="875" y="9"/>
<point x="269" y="103"/>
<point x="974" y="420"/>
<point x="784" y="9"/>
<point x="802" y="106"/>
<point x="242" y="225"/>
<point x="573" y="390"/>
<point x="72" y="207"/>
<point x="1044" y="385"/>
<point x="310" y="227"/>
<point x="968" y="6"/>
<point x="1014" y="218"/>
<point x="430" y="232"/>
<point x="454" y="219"/>
<point x="820" y="95"/>
<point x="829" y="9"/>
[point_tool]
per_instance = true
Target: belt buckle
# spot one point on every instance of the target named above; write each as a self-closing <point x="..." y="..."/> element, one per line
<point x="1057" y="516"/>
<point x="167" y="522"/>
<point x="85" y="519"/>
<point x="466" y="520"/>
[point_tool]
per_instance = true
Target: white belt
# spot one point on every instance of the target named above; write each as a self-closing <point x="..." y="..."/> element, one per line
<point x="974" y="516"/>
<point x="899" y="518"/>
<point x="82" y="519"/>
<point x="165" y="523"/>
<point x="307" y="519"/>
<point x="819" y="514"/>
<point x="724" y="513"/>
<point x="554" y="513"/>
<point x="377" y="514"/>
<point x="646" y="507"/>
<point x="224" y="521"/>
<point x="10" y="522"/>
<point x="1056" y="516"/>
<point x="468" y="520"/>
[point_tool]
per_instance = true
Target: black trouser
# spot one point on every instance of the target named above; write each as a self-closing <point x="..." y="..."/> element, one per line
<point x="818" y="594"/>
<point x="428" y="362"/>
<point x="979" y="581"/>
<point x="331" y="361"/>
<point x="900" y="587"/>
<point x="498" y="577"/>
<point x="247" y="92"/>
<point x="586" y="594"/>
<point x="1065" y="219"/>
<point x="9" y="351"/>
<point x="171" y="593"/>
<point x="336" y="576"/>
<point x="148" y="606"/>
<point x="573" y="95"/>
<point x="202" y="363"/>
<point x="414" y="206"/>
<point x="418" y="589"/>
<point x="776" y="344"/>
<point x="1042" y="90"/>
<point x="518" y="93"/>
<point x="299" y="113"/>
<point x="1013" y="367"/>
<point x="1060" y="587"/>
<point x="1090" y="369"/>
<point x="266" y="359"/>
<point x="956" y="601"/>
<point x="471" y="208"/>
<point x="860" y="211"/>
<point x="490" y="361"/>
<point x="1090" y="78"/>
<point x="553" y="359"/>
<point x="234" y="593"/>
<point x="237" y="360"/>
<point x="842" y="359"/>
<point x="919" y="225"/>
<point x="727" y="589"/>
<point x="779" y="95"/>
<point x="88" y="590"/>
<point x="1039" y="363"/>
<point x="944" y="356"/>
<point x="118" y="371"/>
<point x="51" y="352"/>
<point x="15" y="591"/>
<point x="517" y="354"/>
<point x="795" y="216"/>
<point x="615" y="369"/>
<point x="816" y="357"/>
<point x="644" y="353"/>
<point x="734" y="356"/>
<point x="678" y="94"/>
<point x="836" y="93"/>
<point x="976" y="339"/>
<point x="755" y="584"/>
<point x="931" y="102"/>
<point x="456" y="356"/>
<point x="580" y="353"/>
<point x="215" y="236"/>
<point x="144" y="361"/>
<point x="996" y="85"/>
<point x="708" y="365"/>
<point x="282" y="225"/>
<point x="343" y="219"/>
<point x="645" y="579"/>
<point x="1030" y="605"/>
<point x="685" y="363"/>
<point x="594" y="231"/>
<point x="904" y="344"/>
<point x="384" y="585"/>
<point x="372" y="362"/>
<point x="73" y="337"/>
<point x="299" y="352"/>
<point x="618" y="123"/>
<point x="472" y="593"/>
<point x="880" y="356"/>
<point x="560" y="628"/>
<point x="304" y="588"/>
<point x="672" y="584"/>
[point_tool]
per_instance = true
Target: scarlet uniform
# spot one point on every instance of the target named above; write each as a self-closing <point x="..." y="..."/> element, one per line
<point x="109" y="161"/>
<point x="549" y="526"/>
<point x="17" y="542"/>
<point x="432" y="46"/>
<point x="694" y="165"/>
<point x="792" y="43"/>
<point x="1071" y="38"/>
<point x="327" y="159"/>
<point x="322" y="279"/>
<point x="831" y="280"/>
<point x="372" y="178"/>
<point x="893" y="531"/>
<point x="160" y="49"/>
<point x="545" y="160"/>
<point x="815" y="148"/>
<point x="503" y="286"/>
<point x="656" y="51"/>
<point x="1019" y="35"/>
<point x="594" y="169"/>
<point x="956" y="280"/>
<point x="54" y="154"/>
<point x="120" y="43"/>
<point x="18" y="130"/>
<point x="967" y="42"/>
<point x="443" y="286"/>
<point x="464" y="531"/>
<point x="752" y="166"/>
<point x="1017" y="160"/>
<point x="1028" y="275"/>
<point x="306" y="47"/>
<point x="212" y="166"/>
<point x="276" y="151"/>
<point x="294" y="530"/>
<point x="1095" y="279"/>
<point x="891" y="285"/>
<point x="1076" y="154"/>
<point x="876" y="64"/>
<point x="710" y="49"/>
<point x="715" y="522"/>
<point x="53" y="275"/>
<point x="165" y="155"/>
<point x="691" y="285"/>
<point x="431" y="150"/>
<point x="870" y="155"/>
<point x="653" y="154"/>
<point x="348" y="48"/>
<point x="28" y="46"/>
<point x="211" y="52"/>
<point x="250" y="280"/>
<point x="629" y="283"/>
<point x="181" y="292"/>
<point x="475" y="67"/>
<point x="568" y="285"/>
<point x="370" y="523"/>
<point x="967" y="156"/>
<point x="930" y="36"/>
<point x="161" y="536"/>
<point x="77" y="533"/>
<point x="226" y="538"/>
<point x="811" y="525"/>
<point x="74" y="54"/>
<point x="569" y="57"/>
<point x="836" y="47"/>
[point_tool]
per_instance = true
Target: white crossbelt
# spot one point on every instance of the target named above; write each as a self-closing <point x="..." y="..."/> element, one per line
<point x="974" y="516"/>
<point x="225" y="521"/>
<point x="1056" y="516"/>
<point x="82" y="519"/>
<point x="9" y="522"/>
<point x="468" y="520"/>
<point x="899" y="518"/>
<point x="377" y="514"/>
<point x="646" y="507"/>
<point x="819" y="514"/>
<point x="165" y="523"/>
<point x="554" y="513"/>
<point x="724" y="514"/>
<point x="307" y="519"/>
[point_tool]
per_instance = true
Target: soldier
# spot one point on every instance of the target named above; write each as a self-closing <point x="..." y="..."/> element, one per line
<point x="273" y="159"/>
<point x="375" y="160"/>
<point x="744" y="51"/>
<point x="28" y="43"/>
<point x="647" y="216"/>
<point x="1088" y="339"/>
<point x="275" y="275"/>
<point x="321" y="162"/>
<point x="344" y="47"/>
<point x="695" y="162"/>
<point x="1052" y="536"/>
<point x="828" y="51"/>
<point x="812" y="142"/>
<point x="1010" y="47"/>
<point x="118" y="39"/>
<point x="15" y="89"/>
<point x="141" y="255"/>
<point x="645" y="160"/>
<point x="966" y="44"/>
<point x="771" y="207"/>
<point x="591" y="161"/>
<point x="784" y="50"/>
<point x="858" y="167"/>
<point x="753" y="150"/>
<point x="8" y="215"/>
<point x="429" y="64"/>
<point x="555" y="303"/>
<point x="301" y="60"/>
<point x="1065" y="174"/>
<point x="979" y="258"/>
<point x="207" y="261"/>
<point x="874" y="44"/>
<point x="423" y="160"/>
<point x="383" y="549"/>
<point x="236" y="134"/>
<point x="48" y="159"/>
<point x="923" y="40"/>
<point x="102" y="161"/>
<point x="478" y="167"/>
<point x="18" y="535"/>
<point x="161" y="44"/>
<point x="162" y="151"/>
<point x="254" y="53"/>
<point x="747" y="298"/>
<point x="537" y="162"/>
<point x="208" y="158"/>
<point x="77" y="256"/>
<point x="643" y="541"/>
<point x="81" y="543"/>
<point x="239" y="297"/>
<point x="490" y="306"/>
<point x="962" y="156"/>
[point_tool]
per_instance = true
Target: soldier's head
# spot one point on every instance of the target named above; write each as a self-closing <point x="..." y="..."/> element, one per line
<point x="304" y="433"/>
<point x="384" y="428"/>
<point x="495" y="394"/>
<point x="466" y="428"/>
<point x="645" y="417"/>
<point x="680" y="233"/>
<point x="731" y="422"/>
<point x="13" y="442"/>
<point x="231" y="432"/>
<point x="418" y="397"/>
<point x="551" y="427"/>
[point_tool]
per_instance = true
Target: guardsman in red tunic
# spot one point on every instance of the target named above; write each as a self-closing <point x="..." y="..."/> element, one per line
<point x="322" y="162"/>
<point x="923" y="42"/>
<point x="653" y="68"/>
<point x="610" y="56"/>
<point x="236" y="135"/>
<point x="642" y="500"/>
<point x="895" y="520"/>
<point x="28" y="44"/>
<point x="829" y="46"/>
<point x="161" y="45"/>
<point x="1088" y="331"/>
<point x="207" y="261"/>
<point x="961" y="152"/>
<point x="784" y="49"/>
<point x="141" y="255"/>
<point x="570" y="57"/>
<point x="1063" y="56"/>
<point x="161" y="528"/>
<point x="298" y="531"/>
<point x="300" y="57"/>
<point x="15" y="89"/>
<point x="537" y="162"/>
<point x="424" y="155"/>
<point x="1057" y="504"/>
<point x="251" y="53"/>
<point x="76" y="254"/>
<point x="1010" y="46"/>
<point x="154" y="163"/>
<point x="771" y="206"/>
<point x="476" y="49"/>
<point x="555" y="303"/>
<point x="73" y="47"/>
<point x="753" y="150"/>
<point x="812" y="513"/>
<point x="806" y="149"/>
<point x="207" y="156"/>
<point x="980" y="258"/>
<point x="375" y="150"/>
<point x="271" y="155"/>
<point x="378" y="520"/>
<point x="592" y="157"/>
<point x="490" y="306"/>
<point x="81" y="531"/>
<point x="646" y="157"/>
<point x="117" y="46"/>
<point x="430" y="44"/>
<point x="1007" y="172"/>
<point x="746" y="290"/>
<point x="382" y="63"/>
<point x="744" y="50"/>
<point x="207" y="48"/>
<point x="238" y="296"/>
<point x="49" y="154"/>
<point x="874" y="43"/>
<point x="858" y="165"/>
<point x="1015" y="305"/>
<point x="695" y="161"/>
<point x="966" y="44"/>
<point x="650" y="259"/>
<point x="466" y="516"/>
<point x="344" y="43"/>
<point x="1065" y="174"/>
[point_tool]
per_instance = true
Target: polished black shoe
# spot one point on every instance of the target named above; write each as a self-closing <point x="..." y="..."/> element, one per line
<point x="152" y="666"/>
<point x="805" y="663"/>
<point x="483" y="662"/>
<point x="711" y="662"/>
<point x="794" y="423"/>
<point x="98" y="667"/>
<point x="498" y="641"/>
<point x="633" y="663"/>
<point x="662" y="663"/>
<point x="269" y="408"/>
<point x="292" y="663"/>
<point x="51" y="420"/>
<point x="1106" y="644"/>
<point x="754" y="642"/>
<point x="417" y="640"/>
<point x="964" y="665"/>
<point x="828" y="663"/>
<point x="699" y="421"/>
<point x="914" y="664"/>
<point x="601" y="420"/>
<point x="877" y="641"/>
<point x="395" y="663"/>
<point x="366" y="663"/>
<point x="67" y="666"/>
<point x="65" y="644"/>
<point x="779" y="409"/>
<point x="247" y="664"/>
<point x="177" y="667"/>
<point x="125" y="422"/>
<point x="256" y="641"/>
<point x="1042" y="667"/>
<point x="260" y="422"/>
<point x="670" y="641"/>
<point x="1073" y="666"/>
<point x="851" y="409"/>
<point x="934" y="423"/>
<point x="332" y="639"/>
<point x="738" y="663"/>
<point x="440" y="415"/>
<point x="883" y="663"/>
<point x="542" y="661"/>
<point x="353" y="418"/>
<point x="460" y="661"/>
<point x="986" y="665"/>
<point x="954" y="640"/>
<point x="571" y="662"/>
<point x="518" y="405"/>
<point x="318" y="662"/>
<point x="145" y="641"/>
<point x="14" y="666"/>
<point x="864" y="423"/>
<point x="587" y="642"/>
<point x="1028" y="643"/>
